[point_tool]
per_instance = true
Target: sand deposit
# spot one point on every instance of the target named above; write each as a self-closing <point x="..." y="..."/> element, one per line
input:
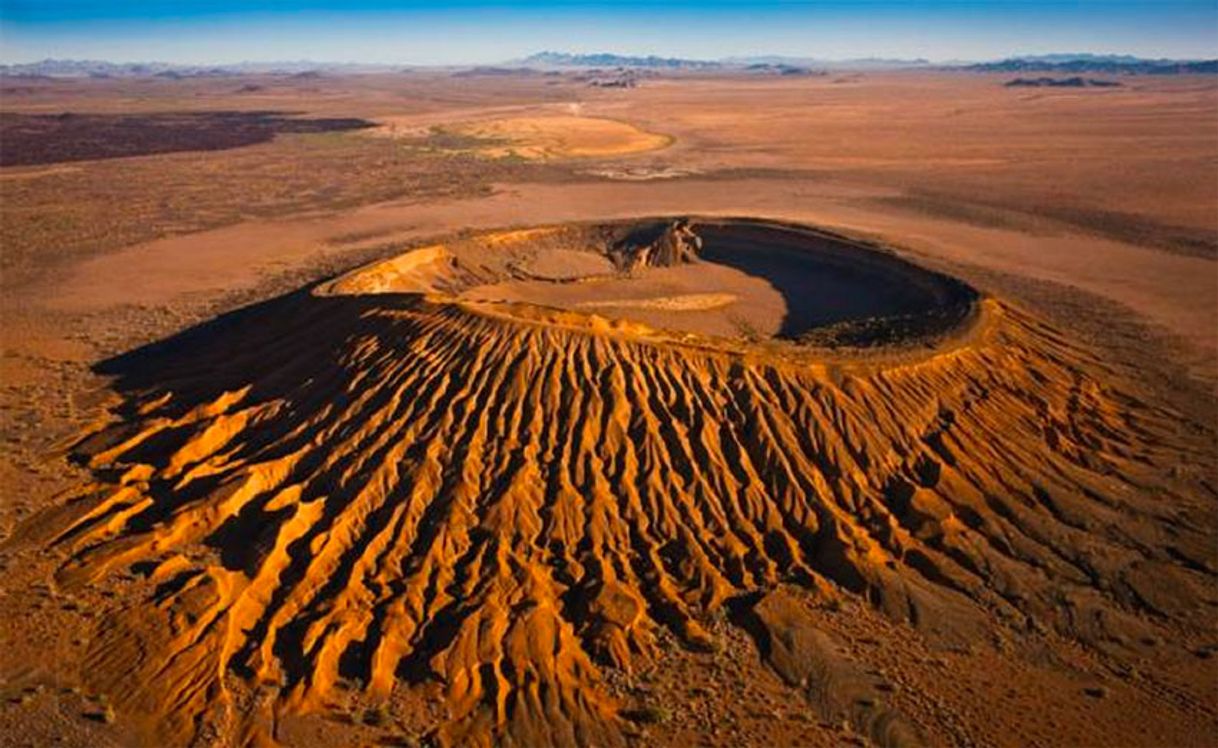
<point x="559" y="137"/>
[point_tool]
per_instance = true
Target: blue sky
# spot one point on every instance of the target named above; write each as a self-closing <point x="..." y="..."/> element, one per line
<point x="486" y="31"/>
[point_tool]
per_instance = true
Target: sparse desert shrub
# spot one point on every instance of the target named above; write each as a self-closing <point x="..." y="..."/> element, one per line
<point x="104" y="714"/>
<point x="376" y="716"/>
<point x="651" y="714"/>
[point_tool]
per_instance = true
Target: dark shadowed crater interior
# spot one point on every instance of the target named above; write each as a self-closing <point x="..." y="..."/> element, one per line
<point x="726" y="277"/>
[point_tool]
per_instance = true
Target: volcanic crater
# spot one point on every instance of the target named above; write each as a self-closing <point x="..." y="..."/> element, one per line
<point x="496" y="472"/>
<point x="730" y="278"/>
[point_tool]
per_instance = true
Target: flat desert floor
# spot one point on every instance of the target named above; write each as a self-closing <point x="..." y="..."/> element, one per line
<point x="537" y="499"/>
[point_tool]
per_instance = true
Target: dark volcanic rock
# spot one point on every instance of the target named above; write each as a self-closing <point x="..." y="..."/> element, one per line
<point x="27" y="139"/>
<point x="1072" y="82"/>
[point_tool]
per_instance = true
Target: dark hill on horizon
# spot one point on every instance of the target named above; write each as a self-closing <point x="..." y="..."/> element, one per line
<point x="1085" y="63"/>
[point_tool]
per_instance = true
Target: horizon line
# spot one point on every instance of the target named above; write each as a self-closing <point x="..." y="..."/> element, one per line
<point x="953" y="61"/>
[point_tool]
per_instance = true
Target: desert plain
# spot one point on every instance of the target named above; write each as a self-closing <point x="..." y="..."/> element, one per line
<point x="479" y="409"/>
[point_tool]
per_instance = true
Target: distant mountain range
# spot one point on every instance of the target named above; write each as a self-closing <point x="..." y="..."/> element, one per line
<point x="766" y="63"/>
<point x="1078" y="56"/>
<point x="1081" y="62"/>
<point x="607" y="60"/>
<point x="103" y="69"/>
<point x="858" y="63"/>
<point x="1087" y="63"/>
<point x="1075" y="63"/>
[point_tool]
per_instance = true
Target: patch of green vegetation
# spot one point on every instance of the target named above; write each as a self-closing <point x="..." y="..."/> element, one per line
<point x="324" y="139"/>
<point x="443" y="139"/>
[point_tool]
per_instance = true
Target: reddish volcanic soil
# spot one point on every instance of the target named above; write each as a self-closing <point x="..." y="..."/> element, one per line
<point x="858" y="410"/>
